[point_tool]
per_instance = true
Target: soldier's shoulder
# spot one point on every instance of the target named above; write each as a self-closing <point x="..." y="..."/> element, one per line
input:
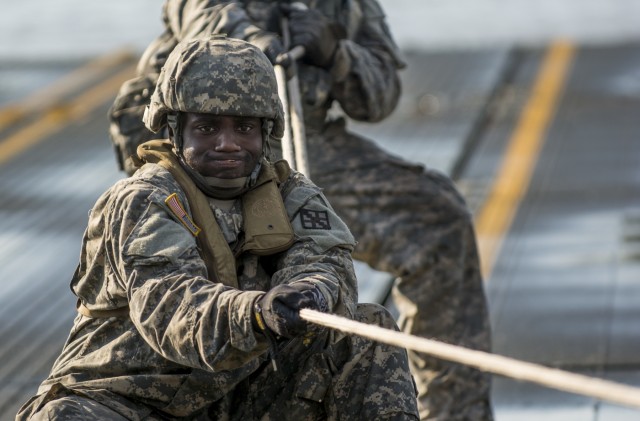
<point x="150" y="181"/>
<point x="297" y="187"/>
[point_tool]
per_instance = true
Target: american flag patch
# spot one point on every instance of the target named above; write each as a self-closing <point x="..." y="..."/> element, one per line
<point x="178" y="210"/>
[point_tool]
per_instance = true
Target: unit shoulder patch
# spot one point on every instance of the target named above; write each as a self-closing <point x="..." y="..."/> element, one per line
<point x="314" y="219"/>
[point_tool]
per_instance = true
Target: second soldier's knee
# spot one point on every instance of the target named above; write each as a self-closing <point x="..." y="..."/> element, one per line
<point x="372" y="313"/>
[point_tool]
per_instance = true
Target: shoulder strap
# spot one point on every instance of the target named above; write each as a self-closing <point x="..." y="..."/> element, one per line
<point x="215" y="251"/>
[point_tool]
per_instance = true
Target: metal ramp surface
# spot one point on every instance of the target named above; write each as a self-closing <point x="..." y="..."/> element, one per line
<point x="563" y="292"/>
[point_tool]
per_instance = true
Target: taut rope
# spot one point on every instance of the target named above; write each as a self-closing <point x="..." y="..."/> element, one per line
<point x="492" y="363"/>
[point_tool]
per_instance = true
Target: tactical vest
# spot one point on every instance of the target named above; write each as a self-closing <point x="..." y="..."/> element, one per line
<point x="267" y="229"/>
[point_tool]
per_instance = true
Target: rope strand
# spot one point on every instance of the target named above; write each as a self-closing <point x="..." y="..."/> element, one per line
<point x="492" y="363"/>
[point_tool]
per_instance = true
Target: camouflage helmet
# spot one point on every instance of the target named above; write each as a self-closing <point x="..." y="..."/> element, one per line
<point x="217" y="75"/>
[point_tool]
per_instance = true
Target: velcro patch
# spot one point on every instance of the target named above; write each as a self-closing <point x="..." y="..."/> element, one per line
<point x="178" y="210"/>
<point x="314" y="219"/>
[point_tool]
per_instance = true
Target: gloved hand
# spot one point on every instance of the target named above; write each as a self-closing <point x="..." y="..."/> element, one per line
<point x="312" y="30"/>
<point x="269" y="43"/>
<point x="279" y="308"/>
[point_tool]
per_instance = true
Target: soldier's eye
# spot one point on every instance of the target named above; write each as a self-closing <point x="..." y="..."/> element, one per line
<point x="206" y="129"/>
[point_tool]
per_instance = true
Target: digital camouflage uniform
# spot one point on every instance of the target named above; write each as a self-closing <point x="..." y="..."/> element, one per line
<point x="408" y="221"/>
<point x="189" y="342"/>
<point x="167" y="333"/>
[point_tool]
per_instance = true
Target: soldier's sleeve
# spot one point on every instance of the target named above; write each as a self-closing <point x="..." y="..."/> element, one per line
<point x="188" y="19"/>
<point x="321" y="253"/>
<point x="184" y="316"/>
<point x="365" y="68"/>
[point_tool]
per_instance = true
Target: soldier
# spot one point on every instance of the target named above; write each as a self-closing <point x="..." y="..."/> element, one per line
<point x="193" y="271"/>
<point x="408" y="221"/>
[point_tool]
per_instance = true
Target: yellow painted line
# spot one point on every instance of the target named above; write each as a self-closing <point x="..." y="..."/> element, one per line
<point x="513" y="178"/>
<point x="53" y="94"/>
<point x="56" y="118"/>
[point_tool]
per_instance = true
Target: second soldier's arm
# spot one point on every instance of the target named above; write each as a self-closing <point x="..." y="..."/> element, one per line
<point x="365" y="67"/>
<point x="186" y="19"/>
<point x="364" y="70"/>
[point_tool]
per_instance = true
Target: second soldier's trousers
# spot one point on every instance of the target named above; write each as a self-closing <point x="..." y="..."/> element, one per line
<point x="414" y="224"/>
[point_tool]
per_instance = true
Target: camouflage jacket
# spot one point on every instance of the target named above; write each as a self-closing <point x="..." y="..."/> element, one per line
<point x="186" y="340"/>
<point x="363" y="78"/>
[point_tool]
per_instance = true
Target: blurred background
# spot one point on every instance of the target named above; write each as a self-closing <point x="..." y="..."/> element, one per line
<point x="38" y="29"/>
<point x="563" y="289"/>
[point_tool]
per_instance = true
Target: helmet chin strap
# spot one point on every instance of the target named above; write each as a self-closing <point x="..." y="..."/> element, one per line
<point x="173" y="121"/>
<point x="267" y="128"/>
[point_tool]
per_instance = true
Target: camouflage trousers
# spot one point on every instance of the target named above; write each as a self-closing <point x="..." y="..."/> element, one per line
<point x="414" y="224"/>
<point x="75" y="407"/>
<point x="352" y="379"/>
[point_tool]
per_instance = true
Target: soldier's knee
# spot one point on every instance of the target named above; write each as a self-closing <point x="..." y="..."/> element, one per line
<point x="75" y="408"/>
<point x="449" y="200"/>
<point x="399" y="416"/>
<point x="375" y="314"/>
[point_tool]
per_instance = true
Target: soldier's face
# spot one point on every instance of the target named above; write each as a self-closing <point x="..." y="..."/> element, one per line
<point x="221" y="146"/>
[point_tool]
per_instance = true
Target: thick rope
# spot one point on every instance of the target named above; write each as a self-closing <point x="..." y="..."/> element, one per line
<point x="492" y="363"/>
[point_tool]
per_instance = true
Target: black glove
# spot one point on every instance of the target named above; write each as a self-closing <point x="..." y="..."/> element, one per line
<point x="269" y="43"/>
<point x="314" y="32"/>
<point x="279" y="308"/>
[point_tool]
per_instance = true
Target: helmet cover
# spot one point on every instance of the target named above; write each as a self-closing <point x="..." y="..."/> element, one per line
<point x="218" y="75"/>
